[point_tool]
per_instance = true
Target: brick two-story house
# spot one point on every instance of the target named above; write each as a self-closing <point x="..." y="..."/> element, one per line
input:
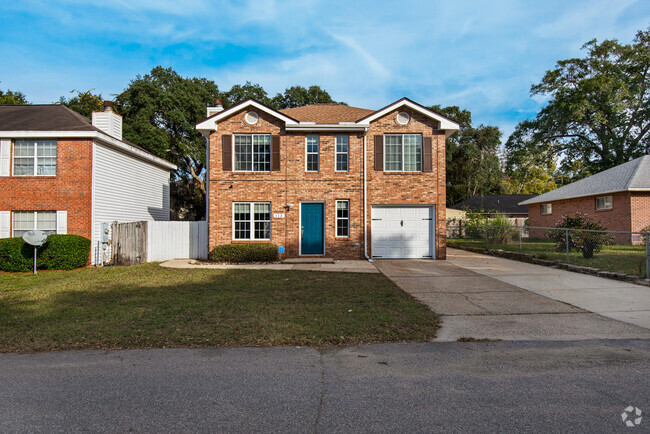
<point x="61" y="173"/>
<point x="328" y="180"/>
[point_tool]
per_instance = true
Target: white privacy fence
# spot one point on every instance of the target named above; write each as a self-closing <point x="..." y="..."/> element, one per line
<point x="177" y="240"/>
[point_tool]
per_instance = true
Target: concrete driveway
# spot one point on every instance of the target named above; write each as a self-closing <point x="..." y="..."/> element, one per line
<point x="494" y="298"/>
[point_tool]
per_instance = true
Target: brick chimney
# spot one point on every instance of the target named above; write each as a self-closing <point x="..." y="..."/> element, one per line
<point x="218" y="107"/>
<point x="108" y="121"/>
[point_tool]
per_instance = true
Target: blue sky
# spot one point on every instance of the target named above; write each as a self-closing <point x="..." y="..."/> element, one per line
<point x="479" y="55"/>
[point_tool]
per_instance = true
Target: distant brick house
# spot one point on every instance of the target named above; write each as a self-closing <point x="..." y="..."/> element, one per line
<point x="61" y="173"/>
<point x="618" y="197"/>
<point x="299" y="178"/>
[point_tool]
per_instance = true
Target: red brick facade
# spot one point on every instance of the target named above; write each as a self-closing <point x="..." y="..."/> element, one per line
<point x="292" y="184"/>
<point x="630" y="212"/>
<point x="70" y="190"/>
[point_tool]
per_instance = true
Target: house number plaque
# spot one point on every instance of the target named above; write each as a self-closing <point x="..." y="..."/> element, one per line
<point x="278" y="215"/>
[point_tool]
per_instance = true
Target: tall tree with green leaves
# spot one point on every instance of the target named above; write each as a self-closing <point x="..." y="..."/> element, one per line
<point x="297" y="96"/>
<point x="242" y="92"/>
<point x="13" y="97"/>
<point x="84" y="103"/>
<point x="160" y="111"/>
<point x="472" y="157"/>
<point x="598" y="112"/>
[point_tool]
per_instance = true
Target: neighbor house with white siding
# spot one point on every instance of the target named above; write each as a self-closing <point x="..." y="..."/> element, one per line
<point x="62" y="173"/>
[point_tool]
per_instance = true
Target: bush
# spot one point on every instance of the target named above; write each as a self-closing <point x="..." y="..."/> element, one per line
<point x="245" y="252"/>
<point x="60" y="252"/>
<point x="580" y="241"/>
<point x="500" y="230"/>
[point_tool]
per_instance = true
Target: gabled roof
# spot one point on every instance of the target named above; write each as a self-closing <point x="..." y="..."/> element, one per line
<point x="631" y="176"/>
<point x="503" y="203"/>
<point x="56" y="120"/>
<point x="323" y="117"/>
<point x="327" y="113"/>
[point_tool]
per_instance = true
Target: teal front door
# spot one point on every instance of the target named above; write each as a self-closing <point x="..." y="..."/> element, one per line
<point x="311" y="229"/>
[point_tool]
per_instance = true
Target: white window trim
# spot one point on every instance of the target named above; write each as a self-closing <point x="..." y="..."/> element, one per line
<point x="251" y="233"/>
<point x="541" y="209"/>
<point x="336" y="154"/>
<point x="611" y="202"/>
<point x="36" y="228"/>
<point x="252" y="160"/>
<point x="13" y="158"/>
<point x="307" y="153"/>
<point x="402" y="169"/>
<point x="336" y="217"/>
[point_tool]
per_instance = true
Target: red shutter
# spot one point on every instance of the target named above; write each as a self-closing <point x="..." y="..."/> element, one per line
<point x="379" y="153"/>
<point x="226" y="152"/>
<point x="426" y="155"/>
<point x="275" y="153"/>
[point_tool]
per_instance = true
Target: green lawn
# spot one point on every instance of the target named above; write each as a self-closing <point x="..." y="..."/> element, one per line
<point x="621" y="258"/>
<point x="149" y="306"/>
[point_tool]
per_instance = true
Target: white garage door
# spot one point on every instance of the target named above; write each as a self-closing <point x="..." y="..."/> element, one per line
<point x="402" y="232"/>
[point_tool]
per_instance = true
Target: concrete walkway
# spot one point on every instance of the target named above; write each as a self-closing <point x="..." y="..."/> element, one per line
<point x="476" y="305"/>
<point x="338" y="266"/>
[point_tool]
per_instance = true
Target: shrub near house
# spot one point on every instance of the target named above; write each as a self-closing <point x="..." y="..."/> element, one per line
<point x="60" y="252"/>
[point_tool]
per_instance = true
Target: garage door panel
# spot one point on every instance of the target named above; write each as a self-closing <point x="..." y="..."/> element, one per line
<point x="402" y="232"/>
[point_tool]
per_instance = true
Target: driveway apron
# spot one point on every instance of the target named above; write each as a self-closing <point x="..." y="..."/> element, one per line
<point x="478" y="306"/>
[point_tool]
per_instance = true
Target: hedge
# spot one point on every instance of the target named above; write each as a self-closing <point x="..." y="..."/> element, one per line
<point x="60" y="252"/>
<point x="245" y="252"/>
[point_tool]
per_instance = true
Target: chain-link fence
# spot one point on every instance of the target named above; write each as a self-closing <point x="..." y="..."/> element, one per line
<point x="626" y="253"/>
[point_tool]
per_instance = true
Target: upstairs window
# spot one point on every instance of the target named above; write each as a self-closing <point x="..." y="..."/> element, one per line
<point x="403" y="153"/>
<point x="32" y="220"/>
<point x="35" y="158"/>
<point x="604" y="202"/>
<point x="342" y="153"/>
<point x="252" y="152"/>
<point x="546" y="208"/>
<point x="312" y="154"/>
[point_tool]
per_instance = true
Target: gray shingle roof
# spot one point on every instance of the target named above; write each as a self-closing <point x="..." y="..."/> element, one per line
<point x="503" y="203"/>
<point x="633" y="175"/>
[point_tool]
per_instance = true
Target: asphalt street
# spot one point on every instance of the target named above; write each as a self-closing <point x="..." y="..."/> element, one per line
<point x="561" y="386"/>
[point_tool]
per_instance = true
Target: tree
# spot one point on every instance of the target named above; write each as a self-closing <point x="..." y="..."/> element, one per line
<point x="599" y="108"/>
<point x="472" y="157"/>
<point x="84" y="103"/>
<point x="297" y="96"/>
<point x="527" y="173"/>
<point x="160" y="112"/>
<point x="239" y="93"/>
<point x="12" y="97"/>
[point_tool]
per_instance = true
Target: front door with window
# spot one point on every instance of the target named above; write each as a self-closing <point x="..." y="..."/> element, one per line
<point x="312" y="240"/>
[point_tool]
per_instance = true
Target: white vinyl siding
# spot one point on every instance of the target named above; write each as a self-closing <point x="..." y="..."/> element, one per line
<point x="604" y="202"/>
<point x="126" y="189"/>
<point x="312" y="153"/>
<point x="35" y="157"/>
<point x="252" y="153"/>
<point x="251" y="221"/>
<point x="403" y="153"/>
<point x="342" y="153"/>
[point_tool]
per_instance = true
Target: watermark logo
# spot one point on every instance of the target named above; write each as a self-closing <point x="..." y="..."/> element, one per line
<point x="631" y="416"/>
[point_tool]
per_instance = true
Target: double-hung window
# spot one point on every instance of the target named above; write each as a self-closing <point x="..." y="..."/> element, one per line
<point x="604" y="202"/>
<point x="31" y="220"/>
<point x="252" y="152"/>
<point x="342" y="153"/>
<point x="546" y="208"/>
<point x="403" y="153"/>
<point x="312" y="154"/>
<point x="35" y="158"/>
<point x="252" y="221"/>
<point x="342" y="218"/>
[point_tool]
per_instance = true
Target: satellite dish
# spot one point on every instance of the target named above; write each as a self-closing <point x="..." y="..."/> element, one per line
<point x="35" y="238"/>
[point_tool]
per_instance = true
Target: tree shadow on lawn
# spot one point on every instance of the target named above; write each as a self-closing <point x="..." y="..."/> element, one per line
<point x="149" y="306"/>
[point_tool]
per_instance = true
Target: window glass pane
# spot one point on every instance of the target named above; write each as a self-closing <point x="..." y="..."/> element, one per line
<point x="262" y="221"/>
<point x="312" y="153"/>
<point x="342" y="218"/>
<point x="342" y="144"/>
<point x="242" y="221"/>
<point x="342" y="148"/>
<point x="46" y="166"/>
<point x="24" y="148"/>
<point x="342" y="162"/>
<point x="312" y="144"/>
<point x="412" y="152"/>
<point x="24" y="166"/>
<point x="46" y="148"/>
<point x="312" y="162"/>
<point x="261" y="152"/>
<point x="46" y="221"/>
<point x="393" y="152"/>
<point x="243" y="153"/>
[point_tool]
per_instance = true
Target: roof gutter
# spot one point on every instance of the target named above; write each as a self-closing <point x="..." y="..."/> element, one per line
<point x="327" y="127"/>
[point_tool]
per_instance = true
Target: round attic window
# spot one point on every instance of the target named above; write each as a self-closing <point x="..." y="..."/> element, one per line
<point x="251" y="118"/>
<point x="403" y="118"/>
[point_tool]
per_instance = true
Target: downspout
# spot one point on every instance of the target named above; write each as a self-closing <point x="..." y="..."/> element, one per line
<point x="365" y="200"/>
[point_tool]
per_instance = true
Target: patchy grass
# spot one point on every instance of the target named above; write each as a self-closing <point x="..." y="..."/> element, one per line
<point x="620" y="258"/>
<point x="149" y="306"/>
